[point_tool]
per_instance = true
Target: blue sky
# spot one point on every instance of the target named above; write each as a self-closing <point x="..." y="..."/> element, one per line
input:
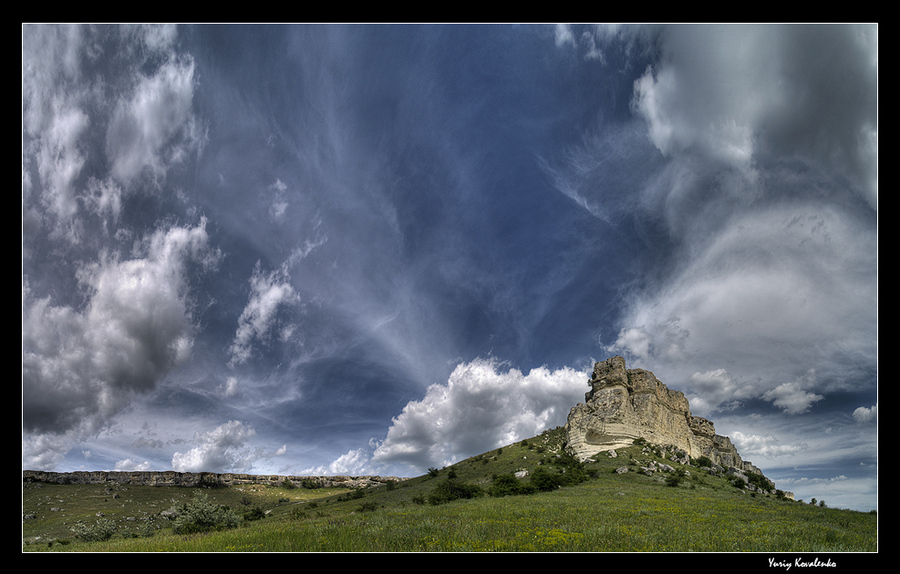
<point x="373" y="249"/>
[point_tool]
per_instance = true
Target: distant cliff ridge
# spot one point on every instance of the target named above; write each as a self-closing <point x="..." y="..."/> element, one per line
<point x="628" y="404"/>
<point x="192" y="479"/>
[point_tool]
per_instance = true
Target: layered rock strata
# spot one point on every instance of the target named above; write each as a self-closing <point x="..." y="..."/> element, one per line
<point x="628" y="404"/>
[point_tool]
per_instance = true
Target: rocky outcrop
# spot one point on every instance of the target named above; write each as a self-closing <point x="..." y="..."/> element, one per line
<point x="628" y="404"/>
<point x="194" y="479"/>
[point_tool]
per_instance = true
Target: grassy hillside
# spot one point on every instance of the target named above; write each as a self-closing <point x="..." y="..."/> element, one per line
<point x="563" y="506"/>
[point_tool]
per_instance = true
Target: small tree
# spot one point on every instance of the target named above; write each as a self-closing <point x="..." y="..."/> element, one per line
<point x="201" y="515"/>
<point x="703" y="461"/>
<point x="452" y="489"/>
<point x="507" y="484"/>
<point x="102" y="529"/>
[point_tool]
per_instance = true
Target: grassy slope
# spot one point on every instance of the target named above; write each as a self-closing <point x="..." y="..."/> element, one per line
<point x="610" y="512"/>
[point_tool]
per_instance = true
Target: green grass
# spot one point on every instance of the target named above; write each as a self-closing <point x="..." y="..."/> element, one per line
<point x="609" y="512"/>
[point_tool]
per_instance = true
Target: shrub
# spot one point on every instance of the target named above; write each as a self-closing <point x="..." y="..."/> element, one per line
<point x="759" y="481"/>
<point x="255" y="513"/>
<point x="352" y="495"/>
<point x="703" y="461"/>
<point x="200" y="515"/>
<point x="452" y="489"/>
<point x="544" y="480"/>
<point x="310" y="483"/>
<point x="507" y="485"/>
<point x="368" y="506"/>
<point x="102" y="529"/>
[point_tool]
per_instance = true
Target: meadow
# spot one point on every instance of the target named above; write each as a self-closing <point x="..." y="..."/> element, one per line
<point x="590" y="508"/>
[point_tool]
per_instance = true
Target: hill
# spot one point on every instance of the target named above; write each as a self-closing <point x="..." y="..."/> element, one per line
<point x="527" y="496"/>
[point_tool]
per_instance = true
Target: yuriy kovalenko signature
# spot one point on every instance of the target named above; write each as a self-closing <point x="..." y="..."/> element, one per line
<point x="801" y="563"/>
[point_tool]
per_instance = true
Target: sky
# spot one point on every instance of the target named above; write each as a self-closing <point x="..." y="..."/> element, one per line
<point x="375" y="249"/>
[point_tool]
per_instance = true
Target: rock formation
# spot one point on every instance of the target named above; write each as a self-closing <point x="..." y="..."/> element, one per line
<point x="628" y="404"/>
<point x="193" y="479"/>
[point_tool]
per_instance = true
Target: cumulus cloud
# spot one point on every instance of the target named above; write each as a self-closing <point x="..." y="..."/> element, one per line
<point x="354" y="463"/>
<point x="231" y="387"/>
<point x="145" y="117"/>
<point x="765" y="200"/>
<point x="268" y="293"/>
<point x="841" y="491"/>
<point x="712" y="390"/>
<point x="751" y="445"/>
<point x="480" y="408"/>
<point x="81" y="366"/>
<point x="792" y="397"/>
<point x="131" y="464"/>
<point x="805" y="91"/>
<point x="222" y="449"/>
<point x="154" y="126"/>
<point x="786" y="277"/>
<point x="44" y="451"/>
<point x="865" y="414"/>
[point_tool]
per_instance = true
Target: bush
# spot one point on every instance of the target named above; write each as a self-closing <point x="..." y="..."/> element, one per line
<point x="703" y="461"/>
<point x="256" y="513"/>
<point x="568" y="471"/>
<point x="452" y="489"/>
<point x="760" y="481"/>
<point x="368" y="506"/>
<point x="310" y="483"/>
<point x="508" y="485"/>
<point x="544" y="480"/>
<point x="200" y="515"/>
<point x="102" y="529"/>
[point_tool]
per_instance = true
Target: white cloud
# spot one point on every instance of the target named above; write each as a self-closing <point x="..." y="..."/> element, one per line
<point x="44" y="451"/>
<point x="792" y="397"/>
<point x="478" y="409"/>
<point x="778" y="292"/>
<point x="752" y="445"/>
<point x="711" y="390"/>
<point x="155" y="126"/>
<point x="131" y="464"/>
<point x="866" y="414"/>
<point x="60" y="160"/>
<point x="268" y="293"/>
<point x="736" y="92"/>
<point x="231" y="387"/>
<point x="80" y="367"/>
<point x="66" y="110"/>
<point x="354" y="462"/>
<point x="220" y="450"/>
<point x="564" y="35"/>
<point x="842" y="491"/>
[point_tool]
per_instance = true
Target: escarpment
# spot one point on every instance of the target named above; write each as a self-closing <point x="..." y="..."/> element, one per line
<point x="195" y="479"/>
<point x="624" y="405"/>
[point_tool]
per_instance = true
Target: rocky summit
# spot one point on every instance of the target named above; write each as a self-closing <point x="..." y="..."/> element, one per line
<point x="624" y="405"/>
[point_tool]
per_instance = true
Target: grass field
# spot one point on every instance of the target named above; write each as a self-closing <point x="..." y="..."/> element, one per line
<point x="606" y="512"/>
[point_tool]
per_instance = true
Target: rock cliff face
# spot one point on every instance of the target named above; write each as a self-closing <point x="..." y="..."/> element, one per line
<point x="627" y="404"/>
<point x="192" y="479"/>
